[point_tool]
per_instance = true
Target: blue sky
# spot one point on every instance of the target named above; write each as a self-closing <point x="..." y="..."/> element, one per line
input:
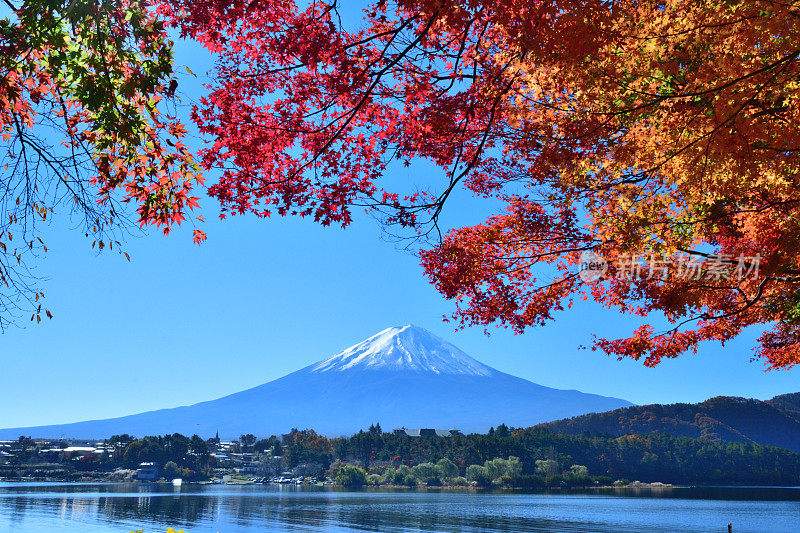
<point x="182" y="323"/>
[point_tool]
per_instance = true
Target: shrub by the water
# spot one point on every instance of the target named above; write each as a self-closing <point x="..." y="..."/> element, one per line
<point x="479" y="474"/>
<point x="447" y="469"/>
<point x="426" y="473"/>
<point x="351" y="476"/>
<point x="459" y="481"/>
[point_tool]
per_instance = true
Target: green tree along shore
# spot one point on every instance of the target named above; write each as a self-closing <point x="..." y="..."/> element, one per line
<point x="545" y="458"/>
<point x="532" y="457"/>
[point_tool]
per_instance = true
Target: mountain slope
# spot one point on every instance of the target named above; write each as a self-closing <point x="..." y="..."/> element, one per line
<point x="403" y="376"/>
<point x="787" y="402"/>
<point x="723" y="418"/>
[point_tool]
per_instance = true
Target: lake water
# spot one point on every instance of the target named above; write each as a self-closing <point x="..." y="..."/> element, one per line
<point x="120" y="508"/>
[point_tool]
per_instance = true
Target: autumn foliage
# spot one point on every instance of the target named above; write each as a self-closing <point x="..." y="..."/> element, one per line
<point x="657" y="133"/>
<point x="84" y="129"/>
<point x="632" y="129"/>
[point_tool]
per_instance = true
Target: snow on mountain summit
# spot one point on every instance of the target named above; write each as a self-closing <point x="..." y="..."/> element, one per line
<point x="404" y="348"/>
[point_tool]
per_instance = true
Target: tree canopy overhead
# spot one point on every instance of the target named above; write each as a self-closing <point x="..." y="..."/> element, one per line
<point x="84" y="129"/>
<point x="660" y="135"/>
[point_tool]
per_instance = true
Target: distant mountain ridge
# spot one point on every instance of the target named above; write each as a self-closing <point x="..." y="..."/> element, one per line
<point x="402" y="376"/>
<point x="774" y="422"/>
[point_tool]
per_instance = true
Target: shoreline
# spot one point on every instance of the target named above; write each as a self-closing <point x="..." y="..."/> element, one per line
<point x="404" y="488"/>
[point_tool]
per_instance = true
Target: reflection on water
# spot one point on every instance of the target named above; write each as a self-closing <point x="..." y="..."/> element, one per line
<point x="35" y="508"/>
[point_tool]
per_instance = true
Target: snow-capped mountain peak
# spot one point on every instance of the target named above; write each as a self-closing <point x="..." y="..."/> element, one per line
<point x="403" y="376"/>
<point x="408" y="348"/>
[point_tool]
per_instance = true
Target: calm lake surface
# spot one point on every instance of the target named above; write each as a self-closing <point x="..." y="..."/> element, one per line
<point x="120" y="508"/>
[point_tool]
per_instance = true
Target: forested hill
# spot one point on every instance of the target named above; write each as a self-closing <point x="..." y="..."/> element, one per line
<point x="775" y="422"/>
<point x="788" y="402"/>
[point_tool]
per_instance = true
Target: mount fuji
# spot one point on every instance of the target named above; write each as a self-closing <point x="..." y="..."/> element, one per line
<point x="402" y="376"/>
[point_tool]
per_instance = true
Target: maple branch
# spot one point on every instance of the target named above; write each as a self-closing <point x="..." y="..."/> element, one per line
<point x="659" y="97"/>
<point x="692" y="29"/>
<point x="438" y="205"/>
<point x="748" y="305"/>
<point x="350" y="115"/>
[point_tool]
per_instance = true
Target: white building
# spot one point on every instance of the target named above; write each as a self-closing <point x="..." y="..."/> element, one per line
<point x="147" y="472"/>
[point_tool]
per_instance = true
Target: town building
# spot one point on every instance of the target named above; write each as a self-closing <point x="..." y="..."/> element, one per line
<point x="147" y="472"/>
<point x="426" y="432"/>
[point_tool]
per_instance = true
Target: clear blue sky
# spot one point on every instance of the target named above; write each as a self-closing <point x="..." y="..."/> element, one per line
<point x="182" y="323"/>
